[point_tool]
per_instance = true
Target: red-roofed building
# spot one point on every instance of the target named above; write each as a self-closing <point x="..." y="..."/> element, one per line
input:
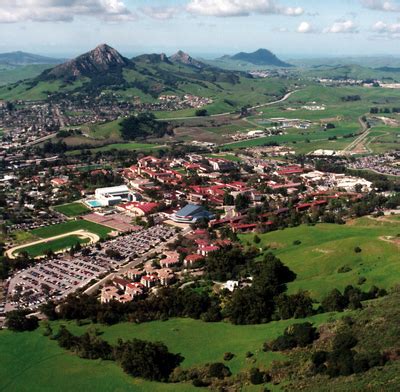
<point x="190" y="260"/>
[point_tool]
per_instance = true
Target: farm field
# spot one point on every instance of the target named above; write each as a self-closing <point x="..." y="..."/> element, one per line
<point x="32" y="362"/>
<point x="326" y="248"/>
<point x="53" y="245"/>
<point x="67" y="227"/>
<point x="72" y="209"/>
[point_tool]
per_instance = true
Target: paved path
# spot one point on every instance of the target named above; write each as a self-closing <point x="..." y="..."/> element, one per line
<point x="80" y="233"/>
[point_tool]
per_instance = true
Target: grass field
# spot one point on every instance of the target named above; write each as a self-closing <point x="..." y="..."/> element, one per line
<point x="54" y="245"/>
<point x="72" y="209"/>
<point x="325" y="248"/>
<point x="67" y="227"/>
<point x="31" y="362"/>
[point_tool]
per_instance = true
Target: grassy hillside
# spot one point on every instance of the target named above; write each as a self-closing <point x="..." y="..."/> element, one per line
<point x="326" y="248"/>
<point x="32" y="362"/>
<point x="16" y="73"/>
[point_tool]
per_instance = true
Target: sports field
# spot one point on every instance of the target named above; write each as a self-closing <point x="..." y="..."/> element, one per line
<point x="67" y="227"/>
<point x="72" y="209"/>
<point x="327" y="248"/>
<point x="32" y="362"/>
<point x="53" y="245"/>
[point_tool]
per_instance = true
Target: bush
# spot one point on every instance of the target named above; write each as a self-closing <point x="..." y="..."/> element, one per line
<point x="18" y="321"/>
<point x="344" y="269"/>
<point x="228" y="356"/>
<point x="296" y="335"/>
<point x="357" y="249"/>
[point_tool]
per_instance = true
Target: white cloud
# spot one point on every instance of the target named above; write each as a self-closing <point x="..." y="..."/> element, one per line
<point x="384" y="28"/>
<point x="225" y="8"/>
<point x="160" y="13"/>
<point x="305" y="27"/>
<point x="12" y="11"/>
<point x="342" y="27"/>
<point x="381" y="5"/>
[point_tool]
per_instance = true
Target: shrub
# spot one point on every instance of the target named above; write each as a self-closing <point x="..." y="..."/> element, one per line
<point x="344" y="269"/>
<point x="228" y="356"/>
<point x="357" y="249"/>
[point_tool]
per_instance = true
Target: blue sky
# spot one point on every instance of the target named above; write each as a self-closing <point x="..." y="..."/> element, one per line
<point x="202" y="27"/>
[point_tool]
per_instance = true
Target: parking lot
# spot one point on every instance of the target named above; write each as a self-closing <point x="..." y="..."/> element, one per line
<point x="56" y="278"/>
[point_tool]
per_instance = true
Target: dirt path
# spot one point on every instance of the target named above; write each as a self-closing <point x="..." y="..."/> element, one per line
<point x="391" y="240"/>
<point x="93" y="238"/>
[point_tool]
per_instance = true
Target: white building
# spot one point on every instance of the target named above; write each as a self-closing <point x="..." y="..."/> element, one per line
<point x="113" y="195"/>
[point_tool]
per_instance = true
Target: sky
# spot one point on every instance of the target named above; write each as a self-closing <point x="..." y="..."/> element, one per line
<point x="290" y="28"/>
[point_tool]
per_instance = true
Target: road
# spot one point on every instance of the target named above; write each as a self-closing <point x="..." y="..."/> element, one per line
<point x="287" y="96"/>
<point x="365" y="130"/>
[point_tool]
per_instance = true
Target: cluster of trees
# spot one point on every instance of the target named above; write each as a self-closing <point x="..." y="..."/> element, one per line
<point x="18" y="321"/>
<point x="351" y="98"/>
<point x="351" y="298"/>
<point x="138" y="358"/>
<point x="376" y="110"/>
<point x="343" y="360"/>
<point x="8" y="266"/>
<point x="169" y="302"/>
<point x="143" y="126"/>
<point x="296" y="335"/>
<point x="257" y="303"/>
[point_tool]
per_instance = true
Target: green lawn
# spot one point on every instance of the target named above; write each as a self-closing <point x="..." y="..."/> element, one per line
<point x="55" y="245"/>
<point x="31" y="362"/>
<point x="72" y="209"/>
<point x="325" y="248"/>
<point x="67" y="227"/>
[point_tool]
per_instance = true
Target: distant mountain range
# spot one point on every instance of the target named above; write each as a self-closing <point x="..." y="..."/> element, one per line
<point x="22" y="58"/>
<point x="147" y="75"/>
<point x="261" y="57"/>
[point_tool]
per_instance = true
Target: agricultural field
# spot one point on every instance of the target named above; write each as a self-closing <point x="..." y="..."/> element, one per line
<point x="32" y="362"/>
<point x="326" y="259"/>
<point x="72" y="209"/>
<point x="67" y="227"/>
<point x="56" y="245"/>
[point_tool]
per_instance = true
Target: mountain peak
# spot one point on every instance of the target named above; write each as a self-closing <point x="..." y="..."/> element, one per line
<point x="184" y="58"/>
<point x="153" y="58"/>
<point x="262" y="57"/>
<point x="99" y="60"/>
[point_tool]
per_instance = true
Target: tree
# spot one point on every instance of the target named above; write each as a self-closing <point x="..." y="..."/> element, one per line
<point x="148" y="360"/>
<point x="201" y="113"/>
<point x="334" y="302"/>
<point x="18" y="321"/>
<point x="229" y="200"/>
<point x="242" y="202"/>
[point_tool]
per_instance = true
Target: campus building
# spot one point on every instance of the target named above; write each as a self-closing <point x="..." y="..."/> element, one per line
<point x="191" y="213"/>
<point x="113" y="195"/>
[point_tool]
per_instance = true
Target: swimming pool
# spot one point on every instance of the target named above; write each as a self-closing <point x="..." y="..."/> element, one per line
<point x="94" y="203"/>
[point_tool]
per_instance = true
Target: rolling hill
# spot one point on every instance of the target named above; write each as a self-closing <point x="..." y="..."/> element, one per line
<point x="22" y="58"/>
<point x="262" y="57"/>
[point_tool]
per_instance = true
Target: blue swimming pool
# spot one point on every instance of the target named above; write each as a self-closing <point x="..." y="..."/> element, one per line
<point x="94" y="203"/>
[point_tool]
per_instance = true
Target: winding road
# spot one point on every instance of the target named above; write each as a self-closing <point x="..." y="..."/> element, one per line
<point x="287" y="96"/>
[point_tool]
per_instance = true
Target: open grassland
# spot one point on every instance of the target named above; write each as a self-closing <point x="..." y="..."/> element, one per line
<point x="72" y="209"/>
<point x="56" y="245"/>
<point x="325" y="248"/>
<point x="332" y="98"/>
<point x="32" y="362"/>
<point x="67" y="227"/>
<point x="14" y="74"/>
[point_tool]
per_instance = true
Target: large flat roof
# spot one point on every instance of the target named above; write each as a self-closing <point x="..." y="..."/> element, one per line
<point x="114" y="189"/>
